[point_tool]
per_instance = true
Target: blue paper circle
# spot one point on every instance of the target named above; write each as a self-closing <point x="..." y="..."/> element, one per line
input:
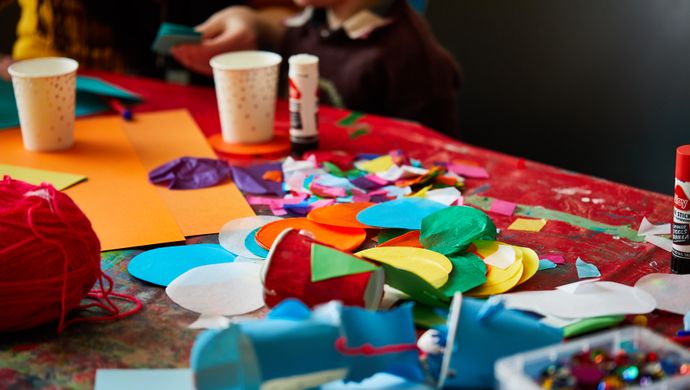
<point x="406" y="213"/>
<point x="252" y="246"/>
<point x="162" y="265"/>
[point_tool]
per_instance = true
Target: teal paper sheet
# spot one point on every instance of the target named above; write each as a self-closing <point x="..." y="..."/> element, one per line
<point x="91" y="92"/>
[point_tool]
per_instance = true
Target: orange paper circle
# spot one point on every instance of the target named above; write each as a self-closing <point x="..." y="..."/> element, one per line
<point x="410" y="238"/>
<point x="342" y="214"/>
<point x="346" y="239"/>
<point x="279" y="144"/>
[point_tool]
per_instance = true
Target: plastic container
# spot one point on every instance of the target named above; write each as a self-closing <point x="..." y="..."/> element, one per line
<point x="517" y="372"/>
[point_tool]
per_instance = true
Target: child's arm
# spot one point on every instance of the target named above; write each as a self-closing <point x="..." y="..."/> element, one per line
<point x="234" y="28"/>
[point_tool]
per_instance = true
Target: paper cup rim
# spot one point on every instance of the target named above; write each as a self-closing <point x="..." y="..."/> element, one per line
<point x="70" y="66"/>
<point x="271" y="59"/>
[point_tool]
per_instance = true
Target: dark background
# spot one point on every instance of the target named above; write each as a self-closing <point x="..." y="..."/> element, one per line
<point x="595" y="86"/>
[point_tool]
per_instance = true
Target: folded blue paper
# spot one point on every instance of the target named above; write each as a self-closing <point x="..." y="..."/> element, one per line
<point x="295" y="347"/>
<point x="91" y="92"/>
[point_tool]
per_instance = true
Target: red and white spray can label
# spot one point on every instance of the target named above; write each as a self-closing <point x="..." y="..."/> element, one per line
<point x="681" y="220"/>
<point x="304" y="100"/>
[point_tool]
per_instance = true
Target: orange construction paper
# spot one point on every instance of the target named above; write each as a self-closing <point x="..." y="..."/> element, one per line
<point x="410" y="238"/>
<point x="163" y="136"/>
<point x="280" y="144"/>
<point x="346" y="239"/>
<point x="124" y="209"/>
<point x="342" y="214"/>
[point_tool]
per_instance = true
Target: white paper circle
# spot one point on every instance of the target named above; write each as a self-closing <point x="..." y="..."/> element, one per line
<point x="219" y="289"/>
<point x="233" y="233"/>
<point x="670" y="291"/>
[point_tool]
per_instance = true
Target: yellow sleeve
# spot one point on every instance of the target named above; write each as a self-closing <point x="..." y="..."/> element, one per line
<point x="30" y="43"/>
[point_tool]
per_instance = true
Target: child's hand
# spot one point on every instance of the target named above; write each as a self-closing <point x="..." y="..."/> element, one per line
<point x="5" y="62"/>
<point x="232" y="29"/>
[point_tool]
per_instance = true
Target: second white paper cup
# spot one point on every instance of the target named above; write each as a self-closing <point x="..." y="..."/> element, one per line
<point x="45" y="90"/>
<point x="246" y="89"/>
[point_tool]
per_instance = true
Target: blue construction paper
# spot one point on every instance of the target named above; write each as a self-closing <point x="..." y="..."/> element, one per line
<point x="252" y="246"/>
<point x="546" y="264"/>
<point x="144" y="379"/>
<point x="162" y="265"/>
<point x="406" y="213"/>
<point x="382" y="381"/>
<point x="378" y="329"/>
<point x="686" y="321"/>
<point x="478" y="345"/>
<point x="586" y="270"/>
<point x="250" y="179"/>
<point x="190" y="173"/>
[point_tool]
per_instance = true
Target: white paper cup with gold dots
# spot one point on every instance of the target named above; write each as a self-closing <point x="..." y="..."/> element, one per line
<point x="45" y="91"/>
<point x="246" y="90"/>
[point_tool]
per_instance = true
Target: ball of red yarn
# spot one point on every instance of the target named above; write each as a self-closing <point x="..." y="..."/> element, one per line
<point x="49" y="255"/>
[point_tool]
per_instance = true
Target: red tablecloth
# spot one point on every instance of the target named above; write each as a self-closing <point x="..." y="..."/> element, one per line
<point x="158" y="337"/>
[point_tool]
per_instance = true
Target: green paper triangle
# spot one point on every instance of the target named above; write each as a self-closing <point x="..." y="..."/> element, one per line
<point x="329" y="263"/>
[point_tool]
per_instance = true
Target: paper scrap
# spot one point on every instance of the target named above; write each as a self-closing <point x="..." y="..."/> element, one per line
<point x="379" y="164"/>
<point x="250" y="179"/>
<point x="586" y="270"/>
<point x="670" y="291"/>
<point x="219" y="289"/>
<point x="556" y="259"/>
<point x="253" y="247"/>
<point x="496" y="254"/>
<point x="661" y="242"/>
<point x="503" y="207"/>
<point x="596" y="299"/>
<point x="647" y="228"/>
<point x="329" y="263"/>
<point x="234" y="233"/>
<point x="59" y="180"/>
<point x="527" y="225"/>
<point x="144" y="379"/>
<point x="447" y="196"/>
<point x="546" y="264"/>
<point x="469" y="171"/>
<point x="190" y="173"/>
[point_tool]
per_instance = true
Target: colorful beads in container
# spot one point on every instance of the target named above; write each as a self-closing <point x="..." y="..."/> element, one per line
<point x="49" y="260"/>
<point x="597" y="369"/>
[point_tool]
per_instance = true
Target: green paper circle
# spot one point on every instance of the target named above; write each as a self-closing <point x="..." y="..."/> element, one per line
<point x="452" y="229"/>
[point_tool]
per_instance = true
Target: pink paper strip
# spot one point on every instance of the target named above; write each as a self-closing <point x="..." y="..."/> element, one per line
<point x="278" y="210"/>
<point x="503" y="207"/>
<point x="556" y="259"/>
<point x="375" y="179"/>
<point x="321" y="203"/>
<point x="469" y="171"/>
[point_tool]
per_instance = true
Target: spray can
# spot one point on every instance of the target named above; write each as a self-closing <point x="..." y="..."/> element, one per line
<point x="680" y="260"/>
<point x="304" y="103"/>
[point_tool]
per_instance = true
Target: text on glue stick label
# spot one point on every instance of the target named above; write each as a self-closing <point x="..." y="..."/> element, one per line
<point x="681" y="220"/>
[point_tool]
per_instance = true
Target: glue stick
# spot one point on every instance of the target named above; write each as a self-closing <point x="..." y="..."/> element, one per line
<point x="680" y="260"/>
<point x="304" y="103"/>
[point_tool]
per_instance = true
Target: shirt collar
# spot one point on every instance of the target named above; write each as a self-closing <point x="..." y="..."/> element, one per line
<point x="357" y="26"/>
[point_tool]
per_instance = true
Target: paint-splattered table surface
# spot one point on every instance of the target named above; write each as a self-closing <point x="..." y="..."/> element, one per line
<point x="589" y="218"/>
